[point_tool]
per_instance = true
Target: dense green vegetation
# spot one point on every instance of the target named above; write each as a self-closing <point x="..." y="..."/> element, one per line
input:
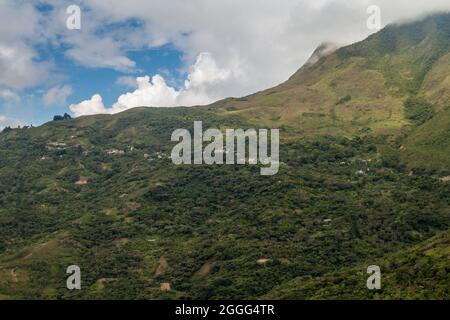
<point x="334" y="204"/>
<point x="418" y="110"/>
<point x="428" y="146"/>
<point x="362" y="181"/>
<point x="421" y="272"/>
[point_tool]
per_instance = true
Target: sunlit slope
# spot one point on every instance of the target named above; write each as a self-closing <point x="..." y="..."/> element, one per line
<point x="428" y="146"/>
<point x="361" y="88"/>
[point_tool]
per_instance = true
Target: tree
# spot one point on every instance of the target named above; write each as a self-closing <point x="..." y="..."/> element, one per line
<point x="63" y="117"/>
<point x="418" y="110"/>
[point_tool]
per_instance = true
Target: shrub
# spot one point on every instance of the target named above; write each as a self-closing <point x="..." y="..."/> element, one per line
<point x="418" y="110"/>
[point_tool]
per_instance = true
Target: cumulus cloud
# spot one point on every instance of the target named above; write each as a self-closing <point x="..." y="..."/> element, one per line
<point x="151" y="93"/>
<point x="89" y="107"/>
<point x="57" y="95"/>
<point x="202" y="86"/>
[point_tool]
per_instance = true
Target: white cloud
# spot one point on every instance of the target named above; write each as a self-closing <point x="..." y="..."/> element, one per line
<point x="126" y="81"/>
<point x="19" y="29"/>
<point x="57" y="95"/>
<point x="88" y="107"/>
<point x="202" y="86"/>
<point x="18" y="69"/>
<point x="7" y="94"/>
<point x="154" y="93"/>
<point x="93" y="52"/>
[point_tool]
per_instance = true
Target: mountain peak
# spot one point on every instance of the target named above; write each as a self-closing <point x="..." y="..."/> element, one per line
<point x="323" y="50"/>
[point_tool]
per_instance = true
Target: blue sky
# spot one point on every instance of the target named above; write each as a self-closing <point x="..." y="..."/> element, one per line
<point x="85" y="82"/>
<point x="158" y="53"/>
<point x="88" y="81"/>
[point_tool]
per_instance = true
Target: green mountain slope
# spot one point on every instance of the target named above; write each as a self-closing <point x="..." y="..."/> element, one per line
<point x="421" y="272"/>
<point x="428" y="146"/>
<point x="101" y="192"/>
<point x="361" y="89"/>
